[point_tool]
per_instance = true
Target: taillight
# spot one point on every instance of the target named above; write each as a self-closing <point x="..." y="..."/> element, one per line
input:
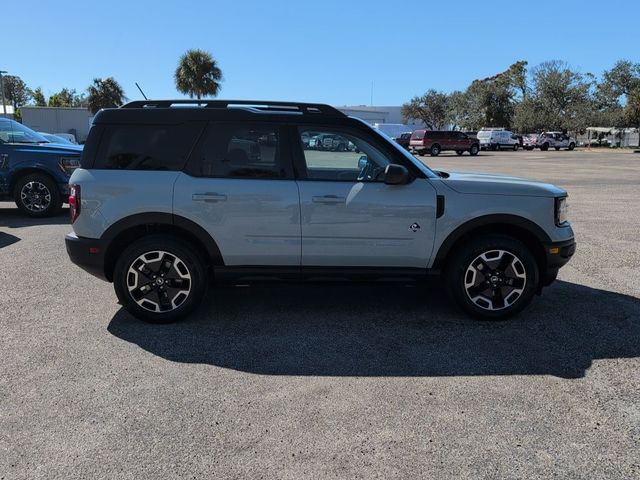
<point x="74" y="202"/>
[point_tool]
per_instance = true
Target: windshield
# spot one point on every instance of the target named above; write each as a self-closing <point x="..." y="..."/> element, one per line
<point x="14" y="132"/>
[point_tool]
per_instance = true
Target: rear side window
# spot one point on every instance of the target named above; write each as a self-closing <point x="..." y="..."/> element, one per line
<point x="146" y="147"/>
<point x="240" y="150"/>
<point x="418" y="134"/>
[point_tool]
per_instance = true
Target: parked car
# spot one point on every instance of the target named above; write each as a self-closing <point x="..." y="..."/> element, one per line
<point x="164" y="201"/>
<point x="403" y="139"/>
<point x="497" y="139"/>
<point x="33" y="171"/>
<point x="434" y="142"/>
<point x="56" y="139"/>
<point x="530" y="141"/>
<point x="69" y="136"/>
<point x="555" y="140"/>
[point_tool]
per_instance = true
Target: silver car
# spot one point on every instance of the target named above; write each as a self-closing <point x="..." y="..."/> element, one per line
<point x="168" y="198"/>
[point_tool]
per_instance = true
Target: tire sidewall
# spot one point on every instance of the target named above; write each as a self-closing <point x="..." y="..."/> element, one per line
<point x="185" y="252"/>
<point x="467" y="253"/>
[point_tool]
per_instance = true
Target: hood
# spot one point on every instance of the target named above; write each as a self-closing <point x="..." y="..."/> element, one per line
<point x="497" y="184"/>
<point x="53" y="148"/>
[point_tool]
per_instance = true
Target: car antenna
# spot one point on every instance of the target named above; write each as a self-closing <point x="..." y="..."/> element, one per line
<point x="145" y="97"/>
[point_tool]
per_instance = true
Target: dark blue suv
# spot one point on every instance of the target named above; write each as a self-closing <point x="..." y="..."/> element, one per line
<point x="33" y="171"/>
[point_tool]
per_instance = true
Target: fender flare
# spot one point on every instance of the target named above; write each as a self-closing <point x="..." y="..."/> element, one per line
<point x="517" y="221"/>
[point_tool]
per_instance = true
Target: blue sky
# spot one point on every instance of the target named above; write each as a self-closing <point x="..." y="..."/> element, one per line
<point x="326" y="51"/>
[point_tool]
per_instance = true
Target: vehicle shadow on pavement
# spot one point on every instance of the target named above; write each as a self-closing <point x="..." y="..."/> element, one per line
<point x="7" y="239"/>
<point x="14" y="218"/>
<point x="392" y="331"/>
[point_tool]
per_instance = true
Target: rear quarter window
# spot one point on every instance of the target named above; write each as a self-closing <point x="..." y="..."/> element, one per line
<point x="146" y="147"/>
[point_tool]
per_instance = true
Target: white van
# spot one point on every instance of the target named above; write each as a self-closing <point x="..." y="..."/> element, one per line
<point x="497" y="138"/>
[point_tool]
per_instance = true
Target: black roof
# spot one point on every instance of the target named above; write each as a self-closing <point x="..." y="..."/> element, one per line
<point x="174" y="111"/>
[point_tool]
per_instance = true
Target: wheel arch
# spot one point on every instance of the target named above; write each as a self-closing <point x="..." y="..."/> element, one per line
<point x="16" y="175"/>
<point x="514" y="226"/>
<point x="131" y="228"/>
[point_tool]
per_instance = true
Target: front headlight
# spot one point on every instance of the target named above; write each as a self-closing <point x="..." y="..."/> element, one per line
<point x="69" y="164"/>
<point x="562" y="208"/>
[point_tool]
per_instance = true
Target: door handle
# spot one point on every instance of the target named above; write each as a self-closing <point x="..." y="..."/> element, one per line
<point x="328" y="199"/>
<point x="208" y="197"/>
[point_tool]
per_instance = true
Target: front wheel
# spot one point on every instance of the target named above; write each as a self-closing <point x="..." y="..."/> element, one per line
<point x="37" y="195"/>
<point x="572" y="146"/>
<point x="492" y="277"/>
<point x="160" y="279"/>
<point x="515" y="147"/>
<point x="435" y="150"/>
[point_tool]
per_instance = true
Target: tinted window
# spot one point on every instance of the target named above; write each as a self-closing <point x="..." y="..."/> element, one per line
<point x="418" y="134"/>
<point x="341" y="155"/>
<point x="146" y="147"/>
<point x="241" y="150"/>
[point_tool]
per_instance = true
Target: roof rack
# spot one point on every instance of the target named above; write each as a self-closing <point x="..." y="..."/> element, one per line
<point x="258" y="106"/>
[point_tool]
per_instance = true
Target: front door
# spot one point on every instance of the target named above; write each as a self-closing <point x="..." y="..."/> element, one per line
<point x="350" y="217"/>
<point x="239" y="187"/>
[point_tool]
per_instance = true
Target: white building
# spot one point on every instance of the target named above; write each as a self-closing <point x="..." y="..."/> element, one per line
<point x="380" y="114"/>
<point x="58" y="120"/>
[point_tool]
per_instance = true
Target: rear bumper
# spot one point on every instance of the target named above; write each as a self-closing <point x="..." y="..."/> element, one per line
<point x="87" y="253"/>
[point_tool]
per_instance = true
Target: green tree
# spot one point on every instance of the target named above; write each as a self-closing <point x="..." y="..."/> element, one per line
<point x="104" y="93"/>
<point x="38" y="98"/>
<point x="432" y="109"/>
<point x="198" y="74"/>
<point x="16" y="92"/>
<point x="67" y="98"/>
<point x="623" y="78"/>
<point x="632" y="108"/>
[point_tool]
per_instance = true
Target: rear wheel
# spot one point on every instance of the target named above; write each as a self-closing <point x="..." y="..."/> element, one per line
<point x="160" y="279"/>
<point x="37" y="195"/>
<point x="435" y="150"/>
<point x="515" y="147"/>
<point x="572" y="146"/>
<point x="492" y="277"/>
<point x="474" y="150"/>
<point x="544" y="147"/>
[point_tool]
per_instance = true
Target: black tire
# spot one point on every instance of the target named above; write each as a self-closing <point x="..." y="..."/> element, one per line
<point x="572" y="146"/>
<point x="435" y="150"/>
<point x="544" y="147"/>
<point x="37" y="195"/>
<point x="463" y="281"/>
<point x="187" y="271"/>
<point x="474" y="150"/>
<point x="459" y="152"/>
<point x="515" y="147"/>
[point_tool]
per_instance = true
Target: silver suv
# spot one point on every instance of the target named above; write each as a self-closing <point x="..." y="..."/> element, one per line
<point x="173" y="195"/>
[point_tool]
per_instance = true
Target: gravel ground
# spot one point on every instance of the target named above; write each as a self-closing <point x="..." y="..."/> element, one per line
<point x="332" y="382"/>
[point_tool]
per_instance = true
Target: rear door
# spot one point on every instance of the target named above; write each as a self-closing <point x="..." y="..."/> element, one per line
<point x="350" y="217"/>
<point x="239" y="187"/>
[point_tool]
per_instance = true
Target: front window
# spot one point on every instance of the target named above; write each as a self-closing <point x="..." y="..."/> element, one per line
<point x="342" y="156"/>
<point x="14" y="132"/>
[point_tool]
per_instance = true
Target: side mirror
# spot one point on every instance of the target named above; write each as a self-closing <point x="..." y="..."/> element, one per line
<point x="363" y="161"/>
<point x="396" y="174"/>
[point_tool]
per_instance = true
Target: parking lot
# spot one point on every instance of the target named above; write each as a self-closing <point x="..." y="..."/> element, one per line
<point x="332" y="381"/>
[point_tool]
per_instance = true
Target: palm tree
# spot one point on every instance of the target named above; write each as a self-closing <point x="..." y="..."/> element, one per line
<point x="198" y="74"/>
<point x="105" y="93"/>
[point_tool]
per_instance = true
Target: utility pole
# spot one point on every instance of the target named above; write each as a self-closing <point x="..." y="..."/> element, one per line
<point x="4" y="105"/>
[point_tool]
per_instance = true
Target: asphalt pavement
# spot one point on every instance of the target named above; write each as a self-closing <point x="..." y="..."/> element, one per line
<point x="332" y="381"/>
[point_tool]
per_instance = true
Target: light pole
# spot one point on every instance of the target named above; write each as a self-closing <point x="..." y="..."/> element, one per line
<point x="4" y="105"/>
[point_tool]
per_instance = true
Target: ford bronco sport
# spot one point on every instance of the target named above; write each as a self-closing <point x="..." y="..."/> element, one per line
<point x="171" y="196"/>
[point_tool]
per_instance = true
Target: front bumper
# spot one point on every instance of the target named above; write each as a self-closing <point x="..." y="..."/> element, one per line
<point x="87" y="253"/>
<point x="557" y="254"/>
